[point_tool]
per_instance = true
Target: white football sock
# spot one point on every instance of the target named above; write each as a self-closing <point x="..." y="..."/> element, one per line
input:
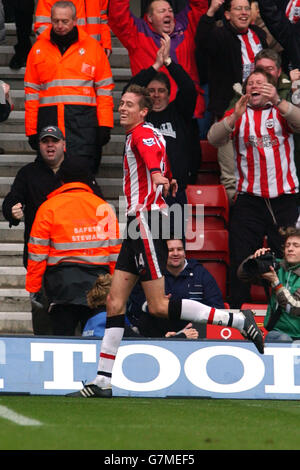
<point x="109" y="348"/>
<point x="197" y="312"/>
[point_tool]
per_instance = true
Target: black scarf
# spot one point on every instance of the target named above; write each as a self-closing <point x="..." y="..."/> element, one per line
<point x="64" y="42"/>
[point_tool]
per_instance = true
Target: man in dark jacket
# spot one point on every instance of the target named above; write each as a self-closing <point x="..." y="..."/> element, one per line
<point x="286" y="32"/>
<point x="29" y="190"/>
<point x="34" y="182"/>
<point x="184" y="279"/>
<point x="228" y="50"/>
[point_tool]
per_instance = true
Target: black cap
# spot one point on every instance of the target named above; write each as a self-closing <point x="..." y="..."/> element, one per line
<point x="75" y="169"/>
<point x="51" y="131"/>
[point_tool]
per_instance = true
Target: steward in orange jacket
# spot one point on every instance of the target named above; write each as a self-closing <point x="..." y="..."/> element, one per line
<point x="91" y="15"/>
<point x="74" y="238"/>
<point x="68" y="82"/>
<point x="97" y="22"/>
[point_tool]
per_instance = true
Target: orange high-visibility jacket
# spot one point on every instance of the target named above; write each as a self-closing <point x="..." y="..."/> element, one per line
<point x="43" y="14"/>
<point x="97" y="21"/>
<point x="72" y="226"/>
<point x="91" y="15"/>
<point x="81" y="76"/>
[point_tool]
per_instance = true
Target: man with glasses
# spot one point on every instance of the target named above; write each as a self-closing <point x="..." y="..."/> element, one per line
<point x="228" y="50"/>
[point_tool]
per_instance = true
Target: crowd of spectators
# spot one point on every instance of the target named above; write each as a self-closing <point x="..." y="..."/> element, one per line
<point x="223" y="70"/>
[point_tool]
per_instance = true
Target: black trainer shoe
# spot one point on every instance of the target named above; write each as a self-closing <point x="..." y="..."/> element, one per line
<point x="251" y="331"/>
<point x="92" y="391"/>
<point x="17" y="62"/>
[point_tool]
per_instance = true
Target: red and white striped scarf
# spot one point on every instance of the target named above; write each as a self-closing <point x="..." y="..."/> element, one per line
<point x="292" y="10"/>
<point x="250" y="46"/>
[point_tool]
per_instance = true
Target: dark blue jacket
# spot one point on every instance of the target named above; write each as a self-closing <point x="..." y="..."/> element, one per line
<point x="194" y="282"/>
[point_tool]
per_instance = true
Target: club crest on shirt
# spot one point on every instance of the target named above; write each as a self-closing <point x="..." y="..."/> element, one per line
<point x="269" y="123"/>
<point x="149" y="142"/>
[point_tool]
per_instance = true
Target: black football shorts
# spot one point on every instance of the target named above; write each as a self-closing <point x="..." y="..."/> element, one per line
<point x="144" y="250"/>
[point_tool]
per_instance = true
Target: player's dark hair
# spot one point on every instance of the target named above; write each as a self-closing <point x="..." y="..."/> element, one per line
<point x="145" y="99"/>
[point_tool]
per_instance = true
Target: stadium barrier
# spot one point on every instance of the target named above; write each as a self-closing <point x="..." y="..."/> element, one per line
<point x="152" y="368"/>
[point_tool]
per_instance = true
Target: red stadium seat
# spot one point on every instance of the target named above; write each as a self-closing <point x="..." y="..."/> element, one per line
<point x="211" y="244"/>
<point x="210" y="201"/>
<point x="254" y="306"/>
<point x="212" y="250"/>
<point x="209" y="171"/>
<point x="209" y="153"/>
<point x="219" y="271"/>
<point x="258" y="294"/>
<point x="207" y="178"/>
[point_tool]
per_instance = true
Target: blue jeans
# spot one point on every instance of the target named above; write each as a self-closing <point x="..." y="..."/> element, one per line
<point x="276" y="336"/>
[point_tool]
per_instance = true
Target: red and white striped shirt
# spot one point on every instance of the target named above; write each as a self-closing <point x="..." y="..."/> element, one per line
<point x="250" y="46"/>
<point x="292" y="10"/>
<point x="264" y="153"/>
<point x="145" y="153"/>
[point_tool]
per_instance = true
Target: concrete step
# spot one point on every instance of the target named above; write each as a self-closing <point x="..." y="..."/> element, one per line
<point x="12" y="276"/>
<point x="111" y="188"/>
<point x="18" y="143"/>
<point x="111" y="165"/>
<point x="11" y="254"/>
<point x="6" y="53"/>
<point x="15" y="307"/>
<point x="11" y="163"/>
<point x="16" y="159"/>
<point x="119" y="57"/>
<point x="14" y="300"/>
<point x="15" y="124"/>
<point x="18" y="98"/>
<point x="16" y="77"/>
<point x="10" y="29"/>
<point x="16" y="323"/>
<point x="14" y="234"/>
<point x="16" y="120"/>
<point x="9" y="259"/>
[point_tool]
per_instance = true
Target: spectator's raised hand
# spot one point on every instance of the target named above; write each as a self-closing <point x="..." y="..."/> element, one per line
<point x="163" y="52"/>
<point x="166" y="45"/>
<point x="214" y="7"/>
<point x="270" y="92"/>
<point x="241" y="104"/>
<point x="295" y="75"/>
